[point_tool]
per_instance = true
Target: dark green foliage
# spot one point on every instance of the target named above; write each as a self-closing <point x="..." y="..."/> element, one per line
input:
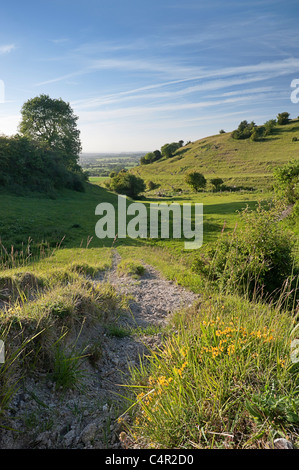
<point x="283" y="118"/>
<point x="269" y="126"/>
<point x="217" y="182"/>
<point x="276" y="408"/>
<point x="258" y="133"/>
<point x="196" y="180"/>
<point x="52" y="123"/>
<point x="287" y="181"/>
<point x="151" y="185"/>
<point x="44" y="158"/>
<point x="222" y="131"/>
<point x="127" y="184"/>
<point x="244" y="131"/>
<point x="168" y="150"/>
<point x="30" y="166"/>
<point x="255" y="258"/>
<point x="150" y="157"/>
<point x="248" y="130"/>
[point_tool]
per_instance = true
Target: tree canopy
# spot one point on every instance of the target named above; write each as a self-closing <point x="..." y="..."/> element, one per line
<point x="196" y="180"/>
<point x="52" y="123"/>
<point x="283" y="118"/>
<point x="127" y="184"/>
<point x="287" y="180"/>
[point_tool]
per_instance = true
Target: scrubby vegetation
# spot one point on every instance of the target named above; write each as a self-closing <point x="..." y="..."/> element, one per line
<point x="44" y="156"/>
<point x="225" y="380"/>
<point x="126" y="183"/>
<point x="222" y="375"/>
<point x="256" y="259"/>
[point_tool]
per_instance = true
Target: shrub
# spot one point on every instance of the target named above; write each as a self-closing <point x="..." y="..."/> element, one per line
<point x="168" y="150"/>
<point x="151" y="185"/>
<point x="217" y="182"/>
<point x="196" y="180"/>
<point x="269" y="126"/>
<point x="127" y="184"/>
<point x="244" y="131"/>
<point x="283" y="118"/>
<point x="257" y="258"/>
<point x="286" y="181"/>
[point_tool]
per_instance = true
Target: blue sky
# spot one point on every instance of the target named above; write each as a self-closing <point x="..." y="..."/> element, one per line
<point x="142" y="73"/>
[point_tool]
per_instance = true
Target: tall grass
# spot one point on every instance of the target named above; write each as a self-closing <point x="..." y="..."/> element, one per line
<point x="199" y="390"/>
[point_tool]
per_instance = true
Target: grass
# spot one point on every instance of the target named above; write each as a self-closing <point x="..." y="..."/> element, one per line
<point x="239" y="163"/>
<point x="224" y="378"/>
<point x="200" y="389"/>
<point x="129" y="267"/>
<point x="97" y="179"/>
<point x="41" y="332"/>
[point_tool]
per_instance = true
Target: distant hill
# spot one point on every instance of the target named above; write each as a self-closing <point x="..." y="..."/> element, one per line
<point x="240" y="163"/>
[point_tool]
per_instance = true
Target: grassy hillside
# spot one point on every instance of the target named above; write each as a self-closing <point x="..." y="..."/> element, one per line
<point x="224" y="377"/>
<point x="238" y="162"/>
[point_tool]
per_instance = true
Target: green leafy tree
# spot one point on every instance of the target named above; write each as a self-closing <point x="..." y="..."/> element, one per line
<point x="244" y="131"/>
<point x="258" y="133"/>
<point x="196" y="180"/>
<point x="169" y="149"/>
<point x="216" y="182"/>
<point x="150" y="157"/>
<point x="287" y="181"/>
<point x="127" y="184"/>
<point x="283" y="118"/>
<point x="52" y="123"/>
<point x="269" y="126"/>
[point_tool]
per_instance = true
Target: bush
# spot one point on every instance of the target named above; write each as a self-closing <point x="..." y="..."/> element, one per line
<point x="150" y="157"/>
<point x="196" y="180"/>
<point x="151" y="185"/>
<point x="283" y="118"/>
<point x="244" y="131"/>
<point x="168" y="150"/>
<point x="269" y="126"/>
<point x="127" y="184"/>
<point x="35" y="167"/>
<point x="257" y="258"/>
<point x="217" y="182"/>
<point x="286" y="181"/>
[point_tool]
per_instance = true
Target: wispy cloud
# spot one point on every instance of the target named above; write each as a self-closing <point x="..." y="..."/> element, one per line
<point x="60" y="40"/>
<point x="157" y="110"/>
<point x="236" y="76"/>
<point x="6" y="48"/>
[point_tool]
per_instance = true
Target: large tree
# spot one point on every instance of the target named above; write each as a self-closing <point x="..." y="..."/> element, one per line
<point x="52" y="122"/>
<point x="196" y="180"/>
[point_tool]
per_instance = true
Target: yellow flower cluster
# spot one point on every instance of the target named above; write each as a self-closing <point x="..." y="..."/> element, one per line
<point x="230" y="337"/>
<point x="180" y="370"/>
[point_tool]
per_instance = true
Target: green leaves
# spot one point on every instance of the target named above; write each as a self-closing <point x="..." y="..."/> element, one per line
<point x="53" y="123"/>
<point x="196" y="180"/>
<point x="287" y="180"/>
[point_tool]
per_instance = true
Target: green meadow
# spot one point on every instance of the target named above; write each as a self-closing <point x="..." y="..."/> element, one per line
<point x="223" y="378"/>
<point x="240" y="163"/>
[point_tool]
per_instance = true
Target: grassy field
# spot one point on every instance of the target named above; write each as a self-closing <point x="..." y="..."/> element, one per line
<point x="33" y="224"/>
<point x="241" y="163"/>
<point x="97" y="179"/>
<point x="223" y="378"/>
